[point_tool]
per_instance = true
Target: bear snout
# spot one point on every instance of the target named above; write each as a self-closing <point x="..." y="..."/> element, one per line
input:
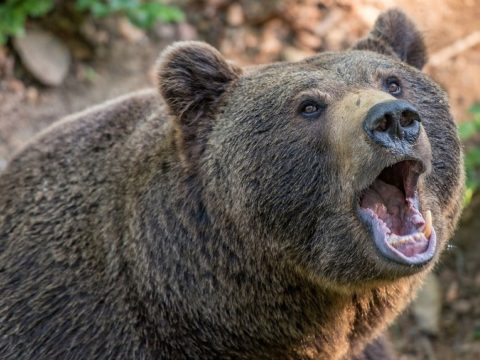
<point x="372" y="130"/>
<point x="392" y="124"/>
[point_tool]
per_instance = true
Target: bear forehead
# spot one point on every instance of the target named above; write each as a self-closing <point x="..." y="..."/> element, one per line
<point x="346" y="67"/>
<point x="334" y="73"/>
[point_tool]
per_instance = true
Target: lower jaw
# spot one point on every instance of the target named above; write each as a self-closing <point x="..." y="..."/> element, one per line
<point x="391" y="253"/>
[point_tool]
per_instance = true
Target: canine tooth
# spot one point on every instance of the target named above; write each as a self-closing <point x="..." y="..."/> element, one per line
<point x="427" y="230"/>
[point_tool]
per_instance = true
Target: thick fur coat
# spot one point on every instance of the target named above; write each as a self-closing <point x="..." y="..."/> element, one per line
<point x="210" y="219"/>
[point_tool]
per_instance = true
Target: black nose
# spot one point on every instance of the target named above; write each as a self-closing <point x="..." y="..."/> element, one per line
<point x="392" y="123"/>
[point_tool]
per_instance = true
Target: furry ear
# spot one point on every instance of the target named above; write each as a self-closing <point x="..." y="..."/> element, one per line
<point x="192" y="77"/>
<point x="395" y="34"/>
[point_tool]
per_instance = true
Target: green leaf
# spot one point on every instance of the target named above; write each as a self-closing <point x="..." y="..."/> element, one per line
<point x="39" y="8"/>
<point x="99" y="10"/>
<point x="468" y="195"/>
<point x="466" y="130"/>
<point x="84" y="5"/>
<point x="142" y="13"/>
<point x="13" y="15"/>
<point x="123" y="5"/>
<point x="147" y="14"/>
<point x="475" y="109"/>
<point x="472" y="158"/>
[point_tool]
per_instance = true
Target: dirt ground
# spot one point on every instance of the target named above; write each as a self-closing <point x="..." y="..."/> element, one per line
<point x="250" y="32"/>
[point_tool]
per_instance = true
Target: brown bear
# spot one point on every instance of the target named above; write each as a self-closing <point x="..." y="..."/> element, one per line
<point x="285" y="211"/>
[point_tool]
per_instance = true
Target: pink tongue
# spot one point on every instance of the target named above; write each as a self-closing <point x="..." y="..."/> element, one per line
<point x="390" y="205"/>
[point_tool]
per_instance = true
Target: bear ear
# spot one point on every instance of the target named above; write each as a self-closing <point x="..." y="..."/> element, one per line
<point x="395" y="34"/>
<point x="192" y="76"/>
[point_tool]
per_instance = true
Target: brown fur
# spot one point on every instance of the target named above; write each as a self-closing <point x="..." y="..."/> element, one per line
<point x="214" y="221"/>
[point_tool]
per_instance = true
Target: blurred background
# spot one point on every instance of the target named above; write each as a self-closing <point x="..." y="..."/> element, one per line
<point x="58" y="57"/>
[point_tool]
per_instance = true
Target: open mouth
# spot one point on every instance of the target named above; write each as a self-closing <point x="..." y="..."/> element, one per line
<point x="390" y="208"/>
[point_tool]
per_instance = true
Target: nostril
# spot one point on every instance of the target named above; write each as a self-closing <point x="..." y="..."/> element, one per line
<point x="407" y="118"/>
<point x="384" y="123"/>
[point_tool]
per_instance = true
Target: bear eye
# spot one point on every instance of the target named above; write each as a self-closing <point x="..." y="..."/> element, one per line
<point x="311" y="109"/>
<point x="393" y="86"/>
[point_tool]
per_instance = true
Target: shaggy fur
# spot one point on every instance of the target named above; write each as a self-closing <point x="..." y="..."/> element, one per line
<point x="214" y="221"/>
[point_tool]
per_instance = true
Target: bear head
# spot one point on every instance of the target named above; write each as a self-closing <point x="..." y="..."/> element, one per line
<point x="347" y="165"/>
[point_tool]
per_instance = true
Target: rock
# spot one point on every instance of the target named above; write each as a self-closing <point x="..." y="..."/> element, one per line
<point x="257" y="12"/>
<point x="309" y="40"/>
<point x="273" y="37"/>
<point x="235" y="15"/>
<point x="427" y="306"/>
<point x="129" y="31"/>
<point x="4" y="62"/>
<point x="164" y="31"/>
<point x="462" y="306"/>
<point x="93" y="34"/>
<point x="368" y="14"/>
<point x="32" y="95"/>
<point x="44" y="56"/>
<point x="271" y="44"/>
<point x="291" y="53"/>
<point x="16" y="86"/>
<point x="452" y="292"/>
<point x="186" y="31"/>
<point x="330" y="21"/>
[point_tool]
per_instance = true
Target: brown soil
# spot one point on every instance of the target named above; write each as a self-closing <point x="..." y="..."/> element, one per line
<point x="249" y="31"/>
<point x="27" y="107"/>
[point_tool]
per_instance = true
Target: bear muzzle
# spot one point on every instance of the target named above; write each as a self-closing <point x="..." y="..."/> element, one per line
<point x="383" y="152"/>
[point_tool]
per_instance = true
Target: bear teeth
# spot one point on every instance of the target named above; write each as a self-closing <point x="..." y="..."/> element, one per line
<point x="396" y="240"/>
<point x="427" y="230"/>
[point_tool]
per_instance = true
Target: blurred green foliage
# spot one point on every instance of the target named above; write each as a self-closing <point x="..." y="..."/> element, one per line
<point x="469" y="132"/>
<point x="13" y="14"/>
<point x="144" y="14"/>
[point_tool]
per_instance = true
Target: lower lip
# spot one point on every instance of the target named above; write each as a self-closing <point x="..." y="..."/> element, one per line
<point x="393" y="254"/>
